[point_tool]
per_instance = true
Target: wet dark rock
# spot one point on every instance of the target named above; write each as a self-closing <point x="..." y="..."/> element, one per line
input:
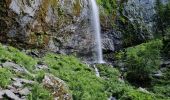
<point x="33" y="53"/>
<point x="112" y="40"/>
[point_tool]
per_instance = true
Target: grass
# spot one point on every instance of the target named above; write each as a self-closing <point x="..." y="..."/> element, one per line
<point x="5" y="77"/>
<point x="8" y="53"/>
<point x="38" y="92"/>
<point x="81" y="80"/>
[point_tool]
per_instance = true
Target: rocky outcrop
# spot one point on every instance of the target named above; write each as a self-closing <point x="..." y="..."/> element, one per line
<point x="58" y="87"/>
<point x="63" y="26"/>
<point x="21" y="88"/>
<point x="136" y="20"/>
<point x="57" y="25"/>
<point x="141" y="12"/>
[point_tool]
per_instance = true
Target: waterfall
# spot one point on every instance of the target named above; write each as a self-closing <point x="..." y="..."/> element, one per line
<point x="96" y="70"/>
<point x="96" y="27"/>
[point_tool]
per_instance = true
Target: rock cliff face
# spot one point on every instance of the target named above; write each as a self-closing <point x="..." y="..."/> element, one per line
<point x="137" y="22"/>
<point x="63" y="26"/>
<point x="56" y="25"/>
<point x="141" y="12"/>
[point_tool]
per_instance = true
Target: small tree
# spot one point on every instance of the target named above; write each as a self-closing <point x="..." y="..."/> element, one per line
<point x="141" y="61"/>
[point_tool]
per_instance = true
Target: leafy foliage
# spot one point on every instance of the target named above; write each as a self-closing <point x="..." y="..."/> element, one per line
<point x="109" y="5"/>
<point x="142" y="60"/>
<point x="137" y="95"/>
<point x="39" y="93"/>
<point x="120" y="89"/>
<point x="5" y="77"/>
<point x="161" y="85"/>
<point x="162" y="90"/>
<point x="162" y="20"/>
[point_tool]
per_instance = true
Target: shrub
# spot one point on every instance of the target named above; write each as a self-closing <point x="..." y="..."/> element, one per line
<point x="137" y="95"/>
<point x="162" y="90"/>
<point x="142" y="60"/>
<point x="38" y="92"/>
<point x="119" y="89"/>
<point x="109" y="6"/>
<point x="5" y="77"/>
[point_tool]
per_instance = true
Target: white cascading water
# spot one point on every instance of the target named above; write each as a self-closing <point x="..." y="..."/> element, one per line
<point x="96" y="26"/>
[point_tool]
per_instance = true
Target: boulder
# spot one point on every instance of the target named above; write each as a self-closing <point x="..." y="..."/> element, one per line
<point x="21" y="80"/>
<point x="1" y="94"/>
<point x="17" y="68"/>
<point x="57" y="86"/>
<point x="13" y="66"/>
<point x="11" y="95"/>
<point x="24" y="91"/>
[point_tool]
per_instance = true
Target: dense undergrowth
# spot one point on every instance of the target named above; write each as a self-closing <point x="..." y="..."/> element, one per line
<point x="81" y="78"/>
<point x="141" y="63"/>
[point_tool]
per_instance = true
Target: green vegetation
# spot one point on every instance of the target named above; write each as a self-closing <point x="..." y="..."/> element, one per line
<point x="137" y="81"/>
<point x="163" y="25"/>
<point x="163" y="17"/>
<point x="142" y="60"/>
<point x="81" y="80"/>
<point x="9" y="53"/>
<point x="162" y="86"/>
<point x="121" y="89"/>
<point x="5" y="77"/>
<point x="109" y="6"/>
<point x="83" y="83"/>
<point x="39" y="93"/>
